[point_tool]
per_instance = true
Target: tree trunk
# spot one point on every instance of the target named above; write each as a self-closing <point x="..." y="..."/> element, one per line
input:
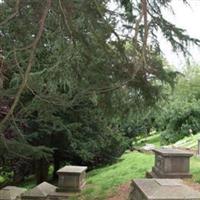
<point x="56" y="163"/>
<point x="41" y="171"/>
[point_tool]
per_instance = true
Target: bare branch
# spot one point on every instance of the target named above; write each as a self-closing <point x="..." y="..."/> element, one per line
<point x="12" y="15"/>
<point x="144" y="48"/>
<point x="30" y="63"/>
<point x="66" y="22"/>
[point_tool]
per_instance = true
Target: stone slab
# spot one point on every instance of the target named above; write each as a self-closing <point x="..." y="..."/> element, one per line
<point x="11" y="193"/>
<point x="173" y="152"/>
<point x="71" y="178"/>
<point x="58" y="196"/>
<point x="41" y="191"/>
<point x="161" y="189"/>
<point x="72" y="169"/>
<point x="171" y="163"/>
<point x="62" y="195"/>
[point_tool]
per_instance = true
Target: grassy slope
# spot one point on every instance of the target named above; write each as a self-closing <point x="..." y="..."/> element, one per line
<point x="152" y="139"/>
<point x="195" y="168"/>
<point x="104" y="181"/>
<point x="188" y="142"/>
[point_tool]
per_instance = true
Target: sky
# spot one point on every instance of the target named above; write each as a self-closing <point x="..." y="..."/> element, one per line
<point x="187" y="18"/>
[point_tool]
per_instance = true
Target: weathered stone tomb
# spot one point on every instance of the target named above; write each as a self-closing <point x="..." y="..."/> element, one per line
<point x="40" y="192"/>
<point x="161" y="189"/>
<point x="11" y="193"/>
<point x="71" y="178"/>
<point x="171" y="163"/>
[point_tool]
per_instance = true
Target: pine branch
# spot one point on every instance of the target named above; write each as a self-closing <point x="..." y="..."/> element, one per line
<point x="12" y="15"/>
<point x="30" y="63"/>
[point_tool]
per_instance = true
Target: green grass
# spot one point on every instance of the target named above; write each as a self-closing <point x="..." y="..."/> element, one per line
<point x="195" y="168"/>
<point x="188" y="142"/>
<point x="2" y="179"/>
<point x="103" y="182"/>
<point x="29" y="183"/>
<point x="152" y="139"/>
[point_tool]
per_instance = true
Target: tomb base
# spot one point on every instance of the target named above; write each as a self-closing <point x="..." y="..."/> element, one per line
<point x="157" y="189"/>
<point x="156" y="174"/>
<point x="69" y="189"/>
<point x="71" y="178"/>
<point x="171" y="163"/>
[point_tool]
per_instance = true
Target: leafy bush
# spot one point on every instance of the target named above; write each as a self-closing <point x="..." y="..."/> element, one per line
<point x="78" y="135"/>
<point x="180" y="116"/>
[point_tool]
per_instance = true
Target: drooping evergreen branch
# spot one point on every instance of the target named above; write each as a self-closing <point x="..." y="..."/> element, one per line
<point x="66" y="22"/>
<point x="30" y="64"/>
<point x="13" y="15"/>
<point x="145" y="35"/>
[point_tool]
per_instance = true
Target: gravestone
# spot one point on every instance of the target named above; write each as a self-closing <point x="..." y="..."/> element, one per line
<point x="11" y="193"/>
<point x="171" y="163"/>
<point x="71" y="178"/>
<point x="148" y="147"/>
<point x="161" y="189"/>
<point x="39" y="192"/>
<point x="198" y="153"/>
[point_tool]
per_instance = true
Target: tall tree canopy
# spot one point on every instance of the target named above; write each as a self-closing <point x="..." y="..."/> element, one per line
<point x="69" y="69"/>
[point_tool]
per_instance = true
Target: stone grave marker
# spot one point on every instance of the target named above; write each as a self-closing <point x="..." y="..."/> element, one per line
<point x="171" y="163"/>
<point x="40" y="192"/>
<point x="161" y="189"/>
<point x="71" y="178"/>
<point x="198" y="153"/>
<point x="11" y="193"/>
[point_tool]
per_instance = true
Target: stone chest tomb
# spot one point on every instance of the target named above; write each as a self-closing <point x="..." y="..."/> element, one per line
<point x="171" y="163"/>
<point x="11" y="193"/>
<point x="71" y="178"/>
<point x="40" y="192"/>
<point x="161" y="189"/>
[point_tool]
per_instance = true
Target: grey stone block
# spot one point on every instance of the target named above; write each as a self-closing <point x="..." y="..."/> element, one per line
<point x="171" y="163"/>
<point x="11" y="193"/>
<point x="71" y="178"/>
<point x="161" y="189"/>
<point x="39" y="192"/>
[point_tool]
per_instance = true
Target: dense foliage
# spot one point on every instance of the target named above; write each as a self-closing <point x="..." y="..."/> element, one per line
<point x="180" y="116"/>
<point x="72" y="72"/>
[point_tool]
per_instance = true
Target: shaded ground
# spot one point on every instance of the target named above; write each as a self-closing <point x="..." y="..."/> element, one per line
<point x="122" y="192"/>
<point x="195" y="186"/>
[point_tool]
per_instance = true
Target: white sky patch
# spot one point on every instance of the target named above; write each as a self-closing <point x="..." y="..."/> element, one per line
<point x="187" y="18"/>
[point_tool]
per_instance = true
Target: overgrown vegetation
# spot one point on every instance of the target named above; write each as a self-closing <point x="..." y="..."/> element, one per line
<point x="78" y="80"/>
<point x="180" y="116"/>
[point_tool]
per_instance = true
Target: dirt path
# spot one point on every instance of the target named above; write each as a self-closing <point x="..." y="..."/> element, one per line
<point x="122" y="192"/>
<point x="190" y="183"/>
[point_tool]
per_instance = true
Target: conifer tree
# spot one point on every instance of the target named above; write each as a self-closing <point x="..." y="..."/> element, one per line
<point x="73" y="67"/>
